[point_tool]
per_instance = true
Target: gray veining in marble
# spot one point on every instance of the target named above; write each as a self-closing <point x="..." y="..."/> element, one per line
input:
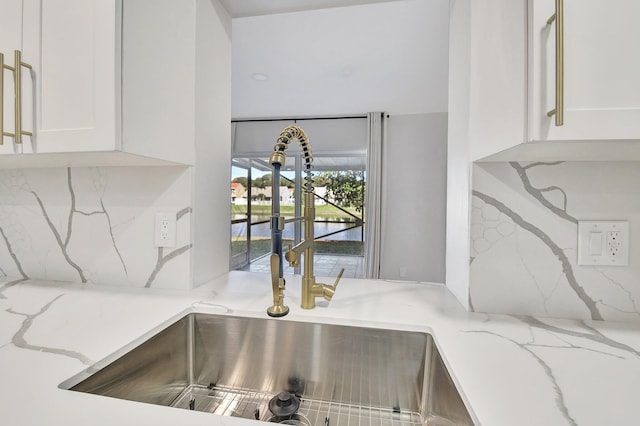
<point x="73" y="210"/>
<point x="99" y="183"/>
<point x="91" y="224"/>
<point x="527" y="275"/>
<point x="13" y="254"/>
<point x="63" y="244"/>
<point x="19" y="340"/>
<point x="113" y="238"/>
<point x="9" y="285"/>
<point x="559" y="395"/>
<point x="622" y="288"/>
<point x="593" y="334"/>
<point x="567" y="268"/>
<point x="225" y="309"/>
<point x="537" y="193"/>
<point x="493" y="229"/>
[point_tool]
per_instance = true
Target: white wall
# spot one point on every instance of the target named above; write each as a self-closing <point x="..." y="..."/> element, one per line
<point x="211" y="211"/>
<point x="415" y="171"/>
<point x="380" y="57"/>
<point x="458" y="157"/>
<point x="476" y="68"/>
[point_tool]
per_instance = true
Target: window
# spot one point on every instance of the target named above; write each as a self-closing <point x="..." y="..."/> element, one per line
<point x="339" y="185"/>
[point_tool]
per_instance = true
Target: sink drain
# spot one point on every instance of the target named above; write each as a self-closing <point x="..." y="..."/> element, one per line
<point x="284" y="404"/>
<point x="284" y="407"/>
<point x="294" y="419"/>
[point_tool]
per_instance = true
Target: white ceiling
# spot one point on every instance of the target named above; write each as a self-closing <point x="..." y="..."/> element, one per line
<point x="243" y="8"/>
<point x="389" y="56"/>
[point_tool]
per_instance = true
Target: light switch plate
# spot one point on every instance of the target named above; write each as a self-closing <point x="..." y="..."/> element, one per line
<point x="603" y="242"/>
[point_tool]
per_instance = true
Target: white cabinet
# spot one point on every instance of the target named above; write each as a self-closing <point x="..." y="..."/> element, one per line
<point x="601" y="70"/>
<point x="71" y="45"/>
<point x="497" y="68"/>
<point x="114" y="81"/>
<point x="512" y="80"/>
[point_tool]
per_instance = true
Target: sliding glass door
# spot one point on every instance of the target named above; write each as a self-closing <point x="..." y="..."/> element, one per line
<point x="339" y="157"/>
<point x="251" y="194"/>
<point x="339" y="185"/>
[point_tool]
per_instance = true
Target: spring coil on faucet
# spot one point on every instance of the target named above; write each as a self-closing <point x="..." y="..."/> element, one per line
<point x="282" y="143"/>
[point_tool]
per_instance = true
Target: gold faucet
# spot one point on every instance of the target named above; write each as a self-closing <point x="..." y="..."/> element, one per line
<point x="310" y="289"/>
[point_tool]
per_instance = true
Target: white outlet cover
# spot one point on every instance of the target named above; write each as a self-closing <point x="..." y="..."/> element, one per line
<point x="165" y="229"/>
<point x="596" y="245"/>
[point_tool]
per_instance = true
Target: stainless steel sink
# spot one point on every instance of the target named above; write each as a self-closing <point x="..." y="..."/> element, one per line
<point x="233" y="366"/>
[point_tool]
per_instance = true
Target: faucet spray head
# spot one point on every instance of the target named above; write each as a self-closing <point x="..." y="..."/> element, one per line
<point x="277" y="157"/>
<point x="282" y="143"/>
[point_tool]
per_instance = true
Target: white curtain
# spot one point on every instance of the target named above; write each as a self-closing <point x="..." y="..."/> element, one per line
<point x="374" y="196"/>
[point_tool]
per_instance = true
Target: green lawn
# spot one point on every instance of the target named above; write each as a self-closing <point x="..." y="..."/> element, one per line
<point x="261" y="247"/>
<point x="324" y="211"/>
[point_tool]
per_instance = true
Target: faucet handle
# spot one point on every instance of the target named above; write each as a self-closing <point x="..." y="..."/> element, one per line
<point x="329" y="290"/>
<point x="292" y="257"/>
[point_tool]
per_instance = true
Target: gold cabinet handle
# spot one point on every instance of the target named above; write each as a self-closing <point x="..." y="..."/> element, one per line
<point x="18" y="103"/>
<point x="3" y="67"/>
<point x="17" y="80"/>
<point x="558" y="17"/>
<point x="2" y="98"/>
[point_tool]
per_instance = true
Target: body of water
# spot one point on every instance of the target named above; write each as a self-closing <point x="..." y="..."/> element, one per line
<point x="321" y="228"/>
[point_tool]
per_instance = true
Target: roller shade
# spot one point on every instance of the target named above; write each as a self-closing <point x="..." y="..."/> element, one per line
<point x="327" y="136"/>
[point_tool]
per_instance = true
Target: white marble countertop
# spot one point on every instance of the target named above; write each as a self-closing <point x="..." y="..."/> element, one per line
<point x="510" y="370"/>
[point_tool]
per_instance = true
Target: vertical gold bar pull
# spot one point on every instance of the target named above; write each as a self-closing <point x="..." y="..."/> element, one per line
<point x="558" y="17"/>
<point x="3" y="67"/>
<point x="1" y="98"/>
<point x="17" y="72"/>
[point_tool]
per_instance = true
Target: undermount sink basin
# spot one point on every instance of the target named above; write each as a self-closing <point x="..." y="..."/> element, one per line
<point x="233" y="366"/>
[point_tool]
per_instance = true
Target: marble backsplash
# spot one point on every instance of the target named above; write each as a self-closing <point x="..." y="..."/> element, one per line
<point x="524" y="225"/>
<point x="95" y="225"/>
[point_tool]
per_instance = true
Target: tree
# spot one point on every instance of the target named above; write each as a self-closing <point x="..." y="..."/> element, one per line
<point x="262" y="181"/>
<point x="265" y="180"/>
<point x="346" y="187"/>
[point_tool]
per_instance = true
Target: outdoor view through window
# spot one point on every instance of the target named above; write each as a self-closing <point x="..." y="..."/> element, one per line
<point x="339" y="188"/>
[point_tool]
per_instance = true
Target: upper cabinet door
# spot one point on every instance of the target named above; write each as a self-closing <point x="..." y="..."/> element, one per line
<point x="601" y="70"/>
<point x="10" y="41"/>
<point x="72" y="46"/>
<point x="108" y="82"/>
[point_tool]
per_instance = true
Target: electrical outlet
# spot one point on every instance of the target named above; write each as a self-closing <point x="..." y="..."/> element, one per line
<point x="613" y="243"/>
<point x="603" y="243"/>
<point x="403" y="271"/>
<point x="165" y="230"/>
